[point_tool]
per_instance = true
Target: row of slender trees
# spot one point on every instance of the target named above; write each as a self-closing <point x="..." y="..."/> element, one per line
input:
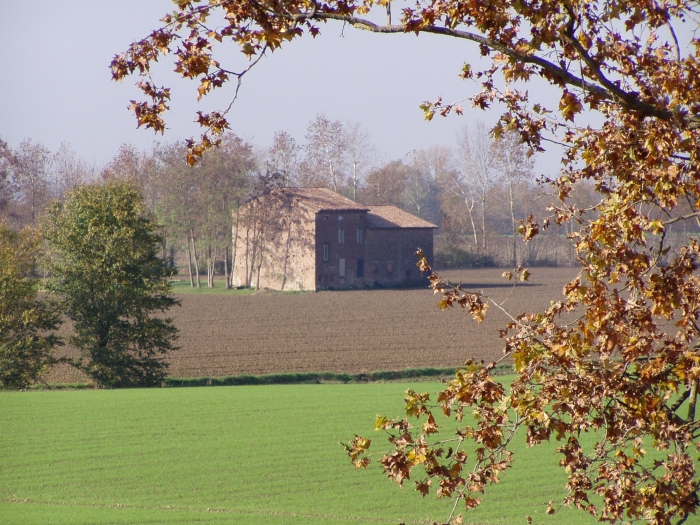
<point x="476" y="191"/>
<point x="31" y="176"/>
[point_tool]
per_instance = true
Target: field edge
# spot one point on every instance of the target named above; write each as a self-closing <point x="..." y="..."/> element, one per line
<point x="292" y="378"/>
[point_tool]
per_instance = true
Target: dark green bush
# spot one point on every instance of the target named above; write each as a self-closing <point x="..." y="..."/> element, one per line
<point x="542" y="262"/>
<point x="449" y="257"/>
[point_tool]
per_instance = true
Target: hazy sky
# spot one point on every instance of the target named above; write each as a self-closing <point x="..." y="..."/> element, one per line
<point x="56" y="85"/>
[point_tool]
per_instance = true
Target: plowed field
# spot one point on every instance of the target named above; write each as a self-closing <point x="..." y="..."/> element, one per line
<point x="344" y="331"/>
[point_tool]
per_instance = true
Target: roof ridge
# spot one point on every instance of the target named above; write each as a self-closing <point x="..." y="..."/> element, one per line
<point x="394" y="217"/>
<point x="321" y="198"/>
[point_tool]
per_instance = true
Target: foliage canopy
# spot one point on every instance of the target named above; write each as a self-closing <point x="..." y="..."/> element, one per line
<point x="618" y="356"/>
<point x="106" y="270"/>
<point x="25" y="320"/>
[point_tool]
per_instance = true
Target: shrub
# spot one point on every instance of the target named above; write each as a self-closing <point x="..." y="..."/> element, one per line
<point x="454" y="257"/>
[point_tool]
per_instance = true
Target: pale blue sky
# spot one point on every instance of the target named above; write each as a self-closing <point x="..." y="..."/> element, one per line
<point x="56" y="87"/>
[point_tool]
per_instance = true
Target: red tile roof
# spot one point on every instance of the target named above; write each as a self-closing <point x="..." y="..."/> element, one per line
<point x="323" y="199"/>
<point x="382" y="217"/>
<point x="378" y="217"/>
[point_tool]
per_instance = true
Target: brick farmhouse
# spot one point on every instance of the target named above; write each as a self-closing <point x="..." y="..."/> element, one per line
<point x="314" y="238"/>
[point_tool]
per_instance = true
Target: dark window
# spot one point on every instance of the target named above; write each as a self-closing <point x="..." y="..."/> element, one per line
<point x="360" y="267"/>
<point x="325" y="252"/>
<point x="341" y="235"/>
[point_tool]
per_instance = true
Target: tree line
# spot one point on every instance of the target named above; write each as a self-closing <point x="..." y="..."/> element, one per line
<point x="477" y="191"/>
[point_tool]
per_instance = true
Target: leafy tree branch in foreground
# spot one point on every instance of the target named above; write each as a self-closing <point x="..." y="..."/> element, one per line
<point x="617" y="358"/>
<point x="106" y="271"/>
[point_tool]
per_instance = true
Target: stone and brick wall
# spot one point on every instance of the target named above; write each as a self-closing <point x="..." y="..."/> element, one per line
<point x="340" y="249"/>
<point x="382" y="257"/>
<point x="275" y="245"/>
<point x="390" y="254"/>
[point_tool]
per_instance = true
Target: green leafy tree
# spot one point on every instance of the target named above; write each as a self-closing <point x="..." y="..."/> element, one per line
<point x="106" y="271"/>
<point x="25" y="320"/>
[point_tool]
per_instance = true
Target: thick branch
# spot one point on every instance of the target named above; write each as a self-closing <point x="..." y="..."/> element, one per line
<point x="629" y="100"/>
<point x="609" y="91"/>
<point x="681" y="399"/>
<point x="682" y="218"/>
<point x="693" y="400"/>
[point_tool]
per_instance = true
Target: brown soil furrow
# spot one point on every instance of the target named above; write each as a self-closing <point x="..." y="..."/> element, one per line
<point x="348" y="331"/>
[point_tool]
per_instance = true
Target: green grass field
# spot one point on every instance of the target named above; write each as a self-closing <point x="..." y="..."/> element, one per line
<point x="243" y="455"/>
<point x="182" y="285"/>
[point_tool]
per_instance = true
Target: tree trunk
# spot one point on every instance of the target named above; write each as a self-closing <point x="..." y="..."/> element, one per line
<point x="483" y="222"/>
<point x="33" y="206"/>
<point x="470" y="209"/>
<point x="196" y="257"/>
<point x="227" y="273"/>
<point x="189" y="259"/>
<point x="234" y="245"/>
<point x="253" y="249"/>
<point x="210" y="268"/>
<point x="213" y="257"/>
<point x="287" y="247"/>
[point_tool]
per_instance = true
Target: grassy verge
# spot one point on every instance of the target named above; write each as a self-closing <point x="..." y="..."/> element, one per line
<point x="321" y="377"/>
<point x="182" y="286"/>
<point x="299" y="378"/>
<point x="244" y="455"/>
